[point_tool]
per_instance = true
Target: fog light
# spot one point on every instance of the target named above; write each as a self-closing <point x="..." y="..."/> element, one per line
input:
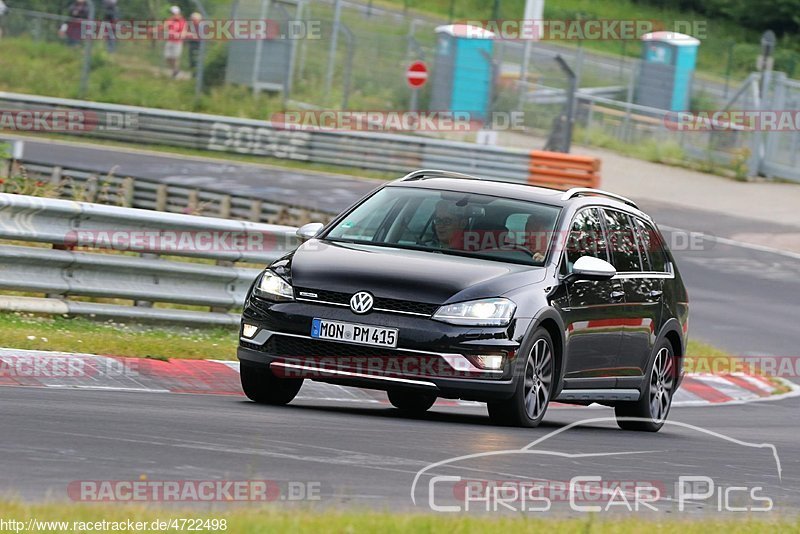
<point x="249" y="330"/>
<point x="490" y="361"/>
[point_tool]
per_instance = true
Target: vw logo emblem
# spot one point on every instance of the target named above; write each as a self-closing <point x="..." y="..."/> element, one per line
<point x="361" y="302"/>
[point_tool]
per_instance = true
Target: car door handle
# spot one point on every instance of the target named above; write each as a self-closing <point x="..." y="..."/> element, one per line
<point x="654" y="294"/>
<point x="616" y="295"/>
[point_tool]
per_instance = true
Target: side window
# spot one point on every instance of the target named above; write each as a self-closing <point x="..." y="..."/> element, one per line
<point x="624" y="252"/>
<point x="650" y="247"/>
<point x="586" y="238"/>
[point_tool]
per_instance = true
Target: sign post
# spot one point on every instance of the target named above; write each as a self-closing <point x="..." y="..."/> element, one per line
<point x="416" y="77"/>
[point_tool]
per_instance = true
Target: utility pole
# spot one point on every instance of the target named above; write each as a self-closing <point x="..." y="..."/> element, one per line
<point x="87" y="53"/>
<point x="201" y="56"/>
<point x="337" y="13"/>
<point x="534" y="11"/>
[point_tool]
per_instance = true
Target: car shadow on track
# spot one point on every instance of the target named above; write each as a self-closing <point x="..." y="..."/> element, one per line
<point x="436" y="416"/>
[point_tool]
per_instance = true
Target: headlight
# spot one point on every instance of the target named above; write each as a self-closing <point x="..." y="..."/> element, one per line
<point x="273" y="287"/>
<point x="484" y="312"/>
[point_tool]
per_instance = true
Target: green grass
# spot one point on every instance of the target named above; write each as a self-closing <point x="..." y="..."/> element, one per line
<point x="700" y="355"/>
<point x="254" y="520"/>
<point x="666" y="152"/>
<point x="53" y="69"/>
<point x="136" y="340"/>
<point x="27" y="331"/>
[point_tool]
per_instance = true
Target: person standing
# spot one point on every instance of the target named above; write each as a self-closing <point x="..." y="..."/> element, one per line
<point x="173" y="48"/>
<point x="110" y="17"/>
<point x="193" y="39"/>
<point x="3" y="9"/>
<point x="77" y="12"/>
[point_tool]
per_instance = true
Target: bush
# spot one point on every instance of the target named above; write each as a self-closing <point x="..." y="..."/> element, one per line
<point x="215" y="65"/>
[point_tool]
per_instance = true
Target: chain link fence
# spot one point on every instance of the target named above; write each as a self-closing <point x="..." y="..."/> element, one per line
<point x="358" y="58"/>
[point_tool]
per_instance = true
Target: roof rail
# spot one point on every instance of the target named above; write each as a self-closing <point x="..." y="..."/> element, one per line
<point x="421" y="174"/>
<point x="583" y="191"/>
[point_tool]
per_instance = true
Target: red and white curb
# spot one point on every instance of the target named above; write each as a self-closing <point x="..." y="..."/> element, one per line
<point x="215" y="377"/>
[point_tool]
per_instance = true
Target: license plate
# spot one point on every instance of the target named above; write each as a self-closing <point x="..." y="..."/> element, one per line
<point x="354" y="333"/>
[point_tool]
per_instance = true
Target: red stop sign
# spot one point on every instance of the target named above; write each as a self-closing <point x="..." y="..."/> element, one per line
<point x="417" y="74"/>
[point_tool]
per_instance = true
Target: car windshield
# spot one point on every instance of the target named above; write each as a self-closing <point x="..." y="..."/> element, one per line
<point x="459" y="223"/>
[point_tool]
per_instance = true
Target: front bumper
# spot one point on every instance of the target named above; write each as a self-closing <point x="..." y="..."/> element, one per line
<point x="431" y="355"/>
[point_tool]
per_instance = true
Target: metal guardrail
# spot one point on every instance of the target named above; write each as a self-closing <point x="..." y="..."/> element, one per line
<point x="137" y="192"/>
<point x="111" y="252"/>
<point x="363" y="150"/>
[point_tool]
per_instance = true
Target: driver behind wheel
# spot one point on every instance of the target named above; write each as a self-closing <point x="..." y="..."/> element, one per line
<point x="537" y="236"/>
<point x="449" y="223"/>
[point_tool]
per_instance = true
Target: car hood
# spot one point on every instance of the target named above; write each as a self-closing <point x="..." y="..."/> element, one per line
<point x="414" y="275"/>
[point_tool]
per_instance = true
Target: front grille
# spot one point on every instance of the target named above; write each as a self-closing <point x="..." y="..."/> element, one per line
<point x="359" y="358"/>
<point x="251" y="346"/>
<point x="391" y="305"/>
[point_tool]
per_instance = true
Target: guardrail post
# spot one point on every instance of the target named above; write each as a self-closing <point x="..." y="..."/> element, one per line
<point x="225" y="207"/>
<point x="222" y="309"/>
<point x="255" y="210"/>
<point x="126" y="192"/>
<point x="90" y="193"/>
<point x="145" y="303"/>
<point x="55" y="177"/>
<point x="5" y="166"/>
<point x="193" y="202"/>
<point x="161" y="198"/>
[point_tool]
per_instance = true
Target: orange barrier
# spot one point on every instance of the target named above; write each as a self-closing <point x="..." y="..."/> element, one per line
<point x="563" y="171"/>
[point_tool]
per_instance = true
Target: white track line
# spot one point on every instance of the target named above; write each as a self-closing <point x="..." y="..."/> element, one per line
<point x="735" y="243"/>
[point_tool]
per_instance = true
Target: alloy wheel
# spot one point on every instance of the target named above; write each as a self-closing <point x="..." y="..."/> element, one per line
<point x="538" y="379"/>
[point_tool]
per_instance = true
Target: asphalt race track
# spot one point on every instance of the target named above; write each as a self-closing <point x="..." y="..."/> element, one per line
<point x="368" y="455"/>
<point x="742" y="299"/>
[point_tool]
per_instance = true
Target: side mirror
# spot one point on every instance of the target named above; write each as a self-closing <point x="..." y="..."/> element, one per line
<point x="590" y="268"/>
<point x="308" y="231"/>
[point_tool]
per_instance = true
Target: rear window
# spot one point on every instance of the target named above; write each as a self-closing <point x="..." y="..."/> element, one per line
<point x="622" y="241"/>
<point x="650" y="247"/>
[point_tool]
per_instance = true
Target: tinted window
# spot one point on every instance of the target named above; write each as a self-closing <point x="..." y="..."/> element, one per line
<point x="586" y="237"/>
<point x="621" y="239"/>
<point x="650" y="247"/>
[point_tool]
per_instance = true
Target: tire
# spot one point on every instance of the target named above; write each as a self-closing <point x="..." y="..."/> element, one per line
<point x="651" y="410"/>
<point x="534" y="389"/>
<point x="410" y="401"/>
<point x="261" y="386"/>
